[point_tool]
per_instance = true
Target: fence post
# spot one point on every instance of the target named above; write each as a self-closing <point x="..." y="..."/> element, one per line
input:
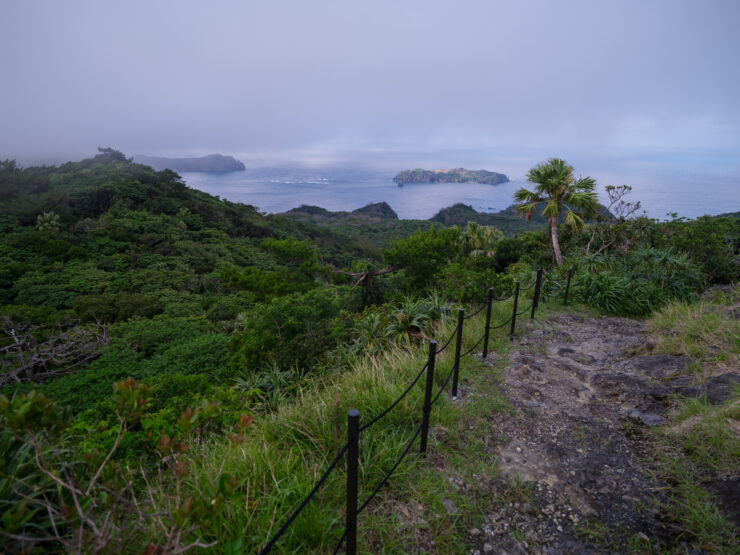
<point x="488" y="322"/>
<point x="567" y="287"/>
<point x="428" y="396"/>
<point x="458" y="347"/>
<point x="537" y="286"/>
<point x="353" y="440"/>
<point x="513" y="312"/>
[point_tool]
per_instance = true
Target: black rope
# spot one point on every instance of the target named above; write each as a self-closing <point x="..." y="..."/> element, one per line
<point x="476" y="312"/>
<point x="444" y="385"/>
<point x="387" y="476"/>
<point x="501" y="325"/>
<point x="305" y="501"/>
<point x="527" y="288"/>
<point x="341" y="541"/>
<point x="473" y="347"/>
<point x="386" y="411"/>
<point x="506" y="298"/>
<point x="525" y="310"/>
<point x="454" y="333"/>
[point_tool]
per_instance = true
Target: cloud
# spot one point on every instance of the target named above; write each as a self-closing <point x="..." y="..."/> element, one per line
<point x="186" y="77"/>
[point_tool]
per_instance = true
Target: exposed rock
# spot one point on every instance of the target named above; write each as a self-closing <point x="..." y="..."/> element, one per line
<point x="651" y="419"/>
<point x="449" y="506"/>
<point x="572" y="382"/>
<point x="727" y="493"/>
<point x="656" y="366"/>
<point x="717" y="390"/>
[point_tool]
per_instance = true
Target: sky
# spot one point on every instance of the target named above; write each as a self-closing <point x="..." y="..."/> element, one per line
<point x="290" y="78"/>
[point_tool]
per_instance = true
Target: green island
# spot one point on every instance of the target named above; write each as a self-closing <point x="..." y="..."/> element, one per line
<point x="176" y="371"/>
<point x="212" y="163"/>
<point x="457" y="175"/>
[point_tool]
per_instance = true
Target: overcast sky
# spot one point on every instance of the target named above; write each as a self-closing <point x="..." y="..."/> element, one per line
<point x="277" y="76"/>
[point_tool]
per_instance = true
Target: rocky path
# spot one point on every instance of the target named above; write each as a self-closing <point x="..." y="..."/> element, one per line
<point x="569" y="459"/>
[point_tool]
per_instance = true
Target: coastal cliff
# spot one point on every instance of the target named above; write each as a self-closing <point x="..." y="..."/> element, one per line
<point x="213" y="163"/>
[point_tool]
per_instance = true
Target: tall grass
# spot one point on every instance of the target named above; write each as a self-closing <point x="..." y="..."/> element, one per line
<point x="704" y="330"/>
<point x="702" y="441"/>
<point x="285" y="452"/>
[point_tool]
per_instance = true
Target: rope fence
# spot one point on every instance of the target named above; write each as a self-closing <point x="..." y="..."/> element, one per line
<point x="394" y="403"/>
<point x="476" y="312"/>
<point x="454" y="333"/>
<point x="466" y="353"/>
<point x="350" y="450"/>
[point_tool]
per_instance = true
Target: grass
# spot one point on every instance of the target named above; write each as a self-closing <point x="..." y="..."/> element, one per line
<point x="704" y="331"/>
<point x="702" y="522"/>
<point x="701" y="441"/>
<point x="286" y="452"/>
<point x="708" y="434"/>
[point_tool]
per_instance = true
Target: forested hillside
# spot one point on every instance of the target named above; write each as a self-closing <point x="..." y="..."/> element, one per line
<point x="142" y="318"/>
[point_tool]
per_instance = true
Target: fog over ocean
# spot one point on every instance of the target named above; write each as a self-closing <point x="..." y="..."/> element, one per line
<point x="690" y="185"/>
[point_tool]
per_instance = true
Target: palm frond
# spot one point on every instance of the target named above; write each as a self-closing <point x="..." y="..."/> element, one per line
<point x="552" y="208"/>
<point x="525" y="195"/>
<point x="573" y="220"/>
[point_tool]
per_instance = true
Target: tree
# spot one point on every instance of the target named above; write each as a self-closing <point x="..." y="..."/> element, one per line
<point x="48" y="221"/>
<point x="108" y="153"/>
<point x="479" y="240"/>
<point x="423" y="254"/>
<point x="562" y="194"/>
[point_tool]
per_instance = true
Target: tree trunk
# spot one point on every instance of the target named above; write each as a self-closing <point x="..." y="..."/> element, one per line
<point x="555" y="243"/>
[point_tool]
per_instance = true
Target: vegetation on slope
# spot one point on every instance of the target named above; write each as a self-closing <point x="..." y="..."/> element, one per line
<point x="203" y="318"/>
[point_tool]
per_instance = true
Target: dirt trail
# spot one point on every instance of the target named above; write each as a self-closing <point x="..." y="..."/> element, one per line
<point x="580" y="389"/>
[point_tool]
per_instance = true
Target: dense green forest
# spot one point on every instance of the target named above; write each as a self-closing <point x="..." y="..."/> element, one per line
<point x="139" y="315"/>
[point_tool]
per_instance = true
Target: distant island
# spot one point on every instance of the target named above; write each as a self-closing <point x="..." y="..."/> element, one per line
<point x="457" y="175"/>
<point x="213" y="163"/>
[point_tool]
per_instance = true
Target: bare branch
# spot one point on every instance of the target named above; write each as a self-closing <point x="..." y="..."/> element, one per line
<point x="121" y="432"/>
<point x="25" y="359"/>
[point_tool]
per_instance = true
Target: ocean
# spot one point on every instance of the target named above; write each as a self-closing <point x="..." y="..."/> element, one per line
<point x="666" y="184"/>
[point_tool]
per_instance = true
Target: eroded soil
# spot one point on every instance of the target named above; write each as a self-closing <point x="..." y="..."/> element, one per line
<point x="583" y="389"/>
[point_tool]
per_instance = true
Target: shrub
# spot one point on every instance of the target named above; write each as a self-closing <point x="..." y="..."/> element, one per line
<point x="292" y="331"/>
<point x="423" y="254"/>
<point x="637" y="283"/>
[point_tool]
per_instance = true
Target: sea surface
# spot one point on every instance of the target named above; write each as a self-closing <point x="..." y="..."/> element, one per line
<point x="663" y="185"/>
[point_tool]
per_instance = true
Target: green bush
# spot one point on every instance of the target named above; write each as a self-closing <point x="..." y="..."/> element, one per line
<point x="711" y="242"/>
<point x="637" y="283"/>
<point x="423" y="254"/>
<point x="460" y="282"/>
<point x="292" y="331"/>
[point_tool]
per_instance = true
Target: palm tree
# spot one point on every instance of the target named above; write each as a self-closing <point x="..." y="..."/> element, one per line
<point x="48" y="221"/>
<point x="561" y="193"/>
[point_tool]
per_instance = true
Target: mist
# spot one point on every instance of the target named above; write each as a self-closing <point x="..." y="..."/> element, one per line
<point x="335" y="80"/>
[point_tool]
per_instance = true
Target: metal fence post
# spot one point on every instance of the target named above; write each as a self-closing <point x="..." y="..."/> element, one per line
<point x="353" y="440"/>
<point x="513" y="311"/>
<point x="458" y="347"/>
<point x="567" y="287"/>
<point x="428" y="396"/>
<point x="537" y="286"/>
<point x="488" y="322"/>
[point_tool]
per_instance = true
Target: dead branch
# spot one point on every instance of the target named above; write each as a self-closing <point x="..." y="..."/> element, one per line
<point x="26" y="359"/>
<point x="368" y="275"/>
<point x="622" y="210"/>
